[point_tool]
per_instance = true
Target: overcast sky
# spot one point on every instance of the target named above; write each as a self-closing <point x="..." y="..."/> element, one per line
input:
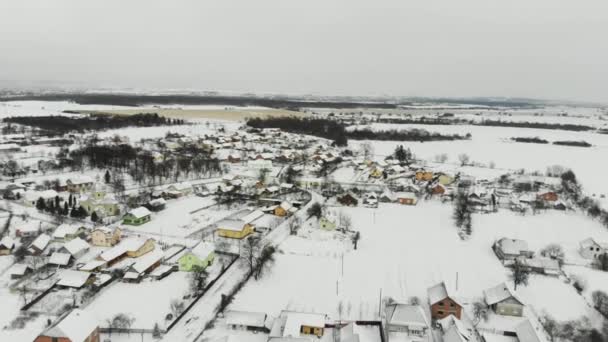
<point x="533" y="48"/>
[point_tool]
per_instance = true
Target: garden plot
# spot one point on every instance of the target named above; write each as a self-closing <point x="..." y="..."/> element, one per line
<point x="147" y="302"/>
<point x="404" y="250"/>
<point x="177" y="221"/>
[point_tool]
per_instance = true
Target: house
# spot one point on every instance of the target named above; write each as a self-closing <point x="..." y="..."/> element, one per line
<point x="39" y="244"/>
<point x="387" y="197"/>
<point x="424" y="176"/>
<point x="60" y="259"/>
<point x="147" y="263"/>
<point x="407" y="198"/>
<point x="234" y="229"/>
<point x="245" y="320"/>
<point x="181" y="189"/>
<point x="508" y="249"/>
<point x="105" y="236"/>
<point x="442" y="302"/>
<point x="18" y="271"/>
<point x="29" y="229"/>
<point x="547" y="196"/>
<point x="348" y="199"/>
<point x="131" y="247"/>
<point x="100" y="202"/>
<point x="74" y="279"/>
<point x="408" y="320"/>
<point x="66" y="232"/>
<point x="328" y="222"/>
<point x="445" y="179"/>
<point x="31" y="197"/>
<point x="79" y="184"/>
<point x="75" y="326"/>
<point x="298" y="325"/>
<point x="541" y="265"/>
<point x="502" y="301"/>
<point x="438" y="189"/>
<point x="157" y="204"/>
<point x="591" y="249"/>
<point x="526" y="332"/>
<point x="7" y="244"/>
<point x="284" y="209"/>
<point x="370" y="200"/>
<point x="202" y="255"/>
<point x="459" y="330"/>
<point x="76" y="248"/>
<point x="137" y="216"/>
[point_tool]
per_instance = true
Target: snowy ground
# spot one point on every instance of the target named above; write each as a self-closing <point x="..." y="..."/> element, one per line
<point x="148" y="302"/>
<point x="404" y="250"/>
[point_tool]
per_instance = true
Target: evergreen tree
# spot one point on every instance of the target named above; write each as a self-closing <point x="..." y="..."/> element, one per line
<point x="66" y="209"/>
<point x="94" y="217"/>
<point x="40" y="204"/>
<point x="107" y="178"/>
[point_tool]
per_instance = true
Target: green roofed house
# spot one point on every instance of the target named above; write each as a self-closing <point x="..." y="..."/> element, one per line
<point x="137" y="216"/>
<point x="201" y="255"/>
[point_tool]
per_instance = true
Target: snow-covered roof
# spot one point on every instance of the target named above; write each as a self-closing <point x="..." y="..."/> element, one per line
<point x="76" y="326"/>
<point x="18" y="269"/>
<point x="590" y="242"/>
<point x="72" y="278"/>
<point x="76" y="246"/>
<point x="7" y="242"/>
<point x="131" y="244"/>
<point x="80" y="180"/>
<point x="513" y="246"/>
<point x="286" y="205"/>
<point x="526" y="333"/>
<point x="41" y="241"/>
<point x="407" y="315"/>
<point x="498" y="293"/>
<point x="228" y="224"/>
<point x="157" y="202"/>
<point x="203" y="249"/>
<point x="246" y="318"/>
<point x="438" y="293"/>
<point x="91" y="265"/>
<point x="254" y="215"/>
<point x="405" y="195"/>
<point x="139" y="212"/>
<point x="295" y="321"/>
<point x="65" y="229"/>
<point x="144" y="262"/>
<point x="58" y="258"/>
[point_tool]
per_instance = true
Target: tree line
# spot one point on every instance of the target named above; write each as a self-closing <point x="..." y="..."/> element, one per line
<point x="65" y="124"/>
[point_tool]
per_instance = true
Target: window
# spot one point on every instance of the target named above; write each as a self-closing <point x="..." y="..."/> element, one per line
<point x="440" y="303"/>
<point x="452" y="305"/>
<point x="440" y="312"/>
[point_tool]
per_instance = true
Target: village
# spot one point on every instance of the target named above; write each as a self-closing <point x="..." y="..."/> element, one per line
<point x="224" y="232"/>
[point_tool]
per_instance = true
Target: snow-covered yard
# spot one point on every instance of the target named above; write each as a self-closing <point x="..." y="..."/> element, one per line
<point x="404" y="250"/>
<point x="147" y="302"/>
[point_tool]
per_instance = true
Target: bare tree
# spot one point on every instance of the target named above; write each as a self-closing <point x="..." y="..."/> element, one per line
<point x="480" y="312"/>
<point x="294" y="225"/>
<point x="346" y="222"/>
<point x="177" y="307"/>
<point x="520" y="274"/>
<point x="367" y="149"/>
<point x="464" y="159"/>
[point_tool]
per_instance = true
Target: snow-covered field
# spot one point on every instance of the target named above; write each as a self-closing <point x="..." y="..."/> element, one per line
<point x="404" y="250"/>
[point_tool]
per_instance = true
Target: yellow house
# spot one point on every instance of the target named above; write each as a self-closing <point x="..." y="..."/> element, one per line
<point x="105" y="237"/>
<point x="300" y="324"/>
<point x="424" y="175"/>
<point x="376" y="173"/>
<point x="445" y="179"/>
<point x="283" y="209"/>
<point x="234" y="229"/>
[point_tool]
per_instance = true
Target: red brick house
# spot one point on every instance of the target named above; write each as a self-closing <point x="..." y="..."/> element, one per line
<point x="549" y="196"/>
<point x="443" y="303"/>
